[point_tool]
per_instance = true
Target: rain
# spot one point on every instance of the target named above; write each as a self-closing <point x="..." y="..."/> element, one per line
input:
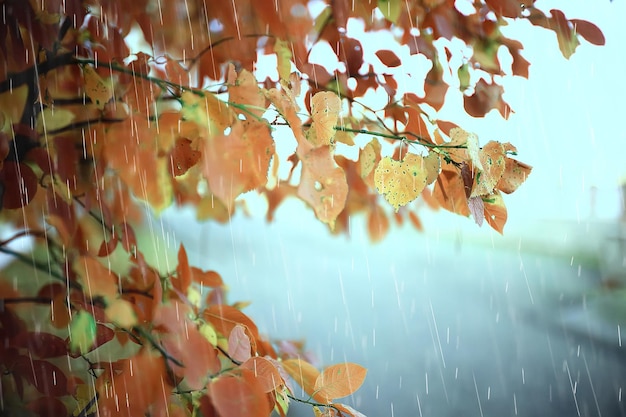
<point x="453" y="319"/>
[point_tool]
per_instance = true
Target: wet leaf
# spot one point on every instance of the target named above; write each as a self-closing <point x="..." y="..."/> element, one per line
<point x="121" y="313"/>
<point x="391" y="9"/>
<point x="41" y="345"/>
<point x="389" y="58"/>
<point x="325" y="107"/>
<point x="99" y="91"/>
<point x="338" y="381"/>
<point x="303" y="373"/>
<point x="266" y="373"/>
<point x="239" y="344"/>
<point x="495" y="211"/>
<point x="400" y="182"/>
<point x="239" y="396"/>
<point x="82" y="332"/>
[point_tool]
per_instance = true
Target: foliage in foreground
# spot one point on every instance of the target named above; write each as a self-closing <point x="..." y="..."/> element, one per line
<point x="91" y="136"/>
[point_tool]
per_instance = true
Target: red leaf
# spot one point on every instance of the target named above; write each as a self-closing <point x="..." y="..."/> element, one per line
<point x="44" y="376"/>
<point x="388" y="58"/>
<point x="42" y="345"/>
<point x="48" y="407"/>
<point x="206" y="278"/>
<point x="236" y="396"/>
<point x="108" y="246"/>
<point x="20" y="184"/>
<point x="224" y="318"/>
<point x="127" y="237"/>
<point x="589" y="31"/>
<point x="183" y="273"/>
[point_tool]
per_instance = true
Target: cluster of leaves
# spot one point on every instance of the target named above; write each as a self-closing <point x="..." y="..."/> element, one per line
<point x="91" y="136"/>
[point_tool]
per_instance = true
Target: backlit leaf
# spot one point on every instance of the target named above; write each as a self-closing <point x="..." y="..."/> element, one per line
<point x="325" y="107"/>
<point x="303" y="373"/>
<point x="82" y="332"/>
<point x="391" y="9"/>
<point x="341" y="380"/>
<point x="283" y="56"/>
<point x="121" y="313"/>
<point x="99" y="91"/>
<point x="239" y="344"/>
<point x="266" y="373"/>
<point x="492" y="158"/>
<point x="323" y="185"/>
<point x="495" y="211"/>
<point x="515" y="173"/>
<point x="400" y="182"/>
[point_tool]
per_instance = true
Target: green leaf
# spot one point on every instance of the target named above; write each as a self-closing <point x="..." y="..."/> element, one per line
<point x="390" y="9"/>
<point x="82" y="332"/>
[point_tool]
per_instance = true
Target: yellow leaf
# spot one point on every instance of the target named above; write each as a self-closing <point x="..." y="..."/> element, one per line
<point x="51" y="119"/>
<point x="209" y="333"/>
<point x="99" y="91"/>
<point x="283" y="55"/>
<point x="121" y="313"/>
<point x="303" y="373"/>
<point x="432" y="164"/>
<point x="12" y="104"/>
<point x="325" y="107"/>
<point x="400" y="182"/>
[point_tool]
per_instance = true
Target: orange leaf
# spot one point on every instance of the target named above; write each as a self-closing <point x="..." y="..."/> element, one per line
<point x="515" y="173"/>
<point x="377" y="224"/>
<point x="236" y="396"/>
<point x="266" y="373"/>
<point x="325" y="107"/>
<point x="96" y="279"/>
<point x="183" y="272"/>
<point x="141" y="379"/>
<point x="449" y="191"/>
<point x="388" y="58"/>
<point x="341" y="380"/>
<point x="206" y="278"/>
<point x="495" y="211"/>
<point x="224" y="318"/>
<point x="323" y="185"/>
<point x="238" y="162"/>
<point x="492" y="159"/>
<point x="303" y="373"/>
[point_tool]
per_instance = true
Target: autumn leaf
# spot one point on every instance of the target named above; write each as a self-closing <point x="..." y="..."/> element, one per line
<point x="239" y="344"/>
<point x="142" y="377"/>
<point x="238" y="162"/>
<point x="283" y="56"/>
<point x="82" y="332"/>
<point x="303" y="373"/>
<point x="323" y="185"/>
<point x="121" y="313"/>
<point x="492" y="167"/>
<point x="96" y="279"/>
<point x="266" y="373"/>
<point x="325" y="107"/>
<point x="239" y="396"/>
<point x="515" y="174"/>
<point x="338" y="381"/>
<point x="400" y="182"/>
<point x="495" y="211"/>
<point x="99" y="91"/>
<point x="389" y="58"/>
